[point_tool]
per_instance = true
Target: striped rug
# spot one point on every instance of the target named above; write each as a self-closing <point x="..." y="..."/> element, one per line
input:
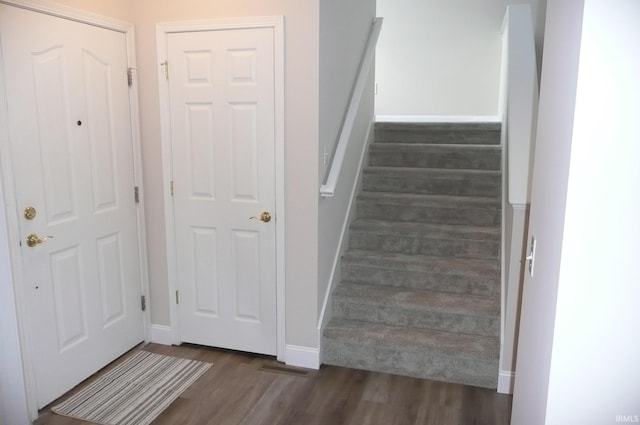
<point x="135" y="391"/>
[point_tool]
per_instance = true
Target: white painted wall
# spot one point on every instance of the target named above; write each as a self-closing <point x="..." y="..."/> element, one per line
<point x="442" y="58"/>
<point x="596" y="331"/>
<point x="579" y="346"/>
<point x="344" y="29"/>
<point x="548" y="198"/>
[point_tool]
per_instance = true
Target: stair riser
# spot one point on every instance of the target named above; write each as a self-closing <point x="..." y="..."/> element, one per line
<point x="406" y="244"/>
<point x="424" y="364"/>
<point x="475" y="285"/>
<point x="433" y="183"/>
<point x="429" y="214"/>
<point x="441" y="158"/>
<point x="423" y="319"/>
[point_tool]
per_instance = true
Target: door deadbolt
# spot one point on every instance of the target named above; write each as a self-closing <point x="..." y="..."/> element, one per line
<point x="29" y="213"/>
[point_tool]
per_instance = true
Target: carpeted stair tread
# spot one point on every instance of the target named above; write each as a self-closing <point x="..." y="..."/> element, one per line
<point x="454" y="283"/>
<point x="434" y="147"/>
<point x="408" y="274"/>
<point x="424" y="263"/>
<point x="412" y="339"/>
<point x="447" y="274"/>
<point x="444" y="356"/>
<point x="444" y="209"/>
<point x="486" y="157"/>
<point x="436" y="231"/>
<point x="425" y="238"/>
<point x="437" y="181"/>
<point x="450" y="133"/>
<point x="463" y="313"/>
<point x="426" y="200"/>
<point x="432" y="171"/>
<point x="470" y="305"/>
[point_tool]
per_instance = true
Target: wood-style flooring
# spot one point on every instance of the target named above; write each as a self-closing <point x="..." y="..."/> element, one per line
<point x="238" y="390"/>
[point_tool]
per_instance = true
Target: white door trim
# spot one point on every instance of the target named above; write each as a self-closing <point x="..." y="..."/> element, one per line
<point x="163" y="29"/>
<point x="20" y="359"/>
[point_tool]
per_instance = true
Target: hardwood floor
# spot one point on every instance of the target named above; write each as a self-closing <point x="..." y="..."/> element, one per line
<point x="237" y="390"/>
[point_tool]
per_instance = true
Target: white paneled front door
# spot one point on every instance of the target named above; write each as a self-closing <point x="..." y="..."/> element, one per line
<point x="72" y="159"/>
<point x="221" y="89"/>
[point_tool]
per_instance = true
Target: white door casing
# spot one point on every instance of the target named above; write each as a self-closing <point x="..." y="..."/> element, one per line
<point x="72" y="153"/>
<point x="223" y="145"/>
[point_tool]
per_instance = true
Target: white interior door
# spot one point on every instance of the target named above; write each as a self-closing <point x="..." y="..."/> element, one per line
<point x="71" y="151"/>
<point x="221" y="86"/>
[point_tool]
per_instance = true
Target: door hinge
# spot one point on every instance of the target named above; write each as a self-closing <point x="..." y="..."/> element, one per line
<point x="130" y="76"/>
<point x="136" y="194"/>
<point x="177" y="297"/>
<point x="143" y="303"/>
<point x="166" y="69"/>
<point x="171" y="187"/>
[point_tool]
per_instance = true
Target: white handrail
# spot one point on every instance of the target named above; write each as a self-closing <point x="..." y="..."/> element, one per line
<point x="328" y="189"/>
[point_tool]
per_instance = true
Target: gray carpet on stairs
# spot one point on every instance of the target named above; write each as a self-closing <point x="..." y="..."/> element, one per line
<point x="420" y="294"/>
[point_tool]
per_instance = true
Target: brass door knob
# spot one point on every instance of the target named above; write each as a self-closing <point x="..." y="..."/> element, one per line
<point x="265" y="216"/>
<point x="33" y="239"/>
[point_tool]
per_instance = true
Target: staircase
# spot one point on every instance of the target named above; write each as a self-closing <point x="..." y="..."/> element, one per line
<point x="420" y="294"/>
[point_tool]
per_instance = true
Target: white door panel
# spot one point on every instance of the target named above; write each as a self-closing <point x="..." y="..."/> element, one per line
<point x="71" y="150"/>
<point x="221" y="87"/>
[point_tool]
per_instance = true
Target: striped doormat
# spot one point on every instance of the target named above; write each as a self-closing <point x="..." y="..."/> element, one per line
<point x="135" y="391"/>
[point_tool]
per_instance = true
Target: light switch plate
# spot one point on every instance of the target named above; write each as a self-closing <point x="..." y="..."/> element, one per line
<point x="531" y="258"/>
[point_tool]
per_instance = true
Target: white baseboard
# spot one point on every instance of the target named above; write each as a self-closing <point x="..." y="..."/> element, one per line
<point x="302" y="356"/>
<point x="438" y="118"/>
<point x="161" y="334"/>
<point x="505" y="382"/>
